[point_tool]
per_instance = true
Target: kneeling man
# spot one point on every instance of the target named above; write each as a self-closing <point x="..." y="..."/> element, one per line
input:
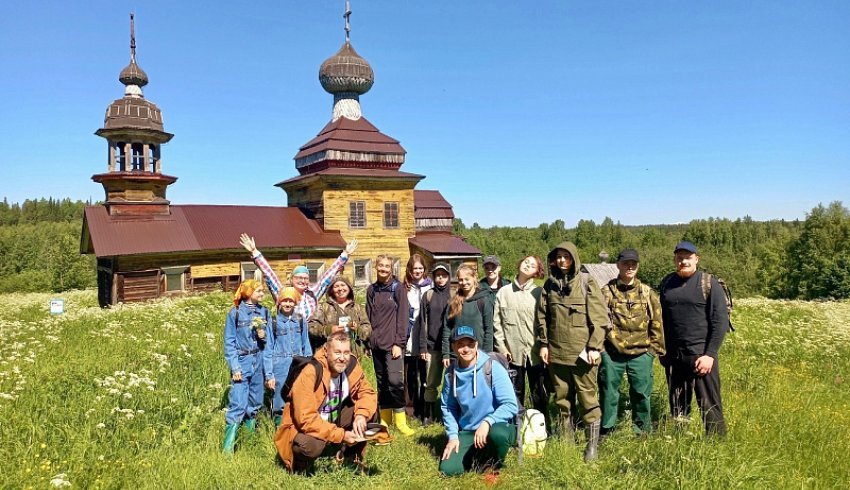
<point x="334" y="411"/>
<point x="478" y="401"/>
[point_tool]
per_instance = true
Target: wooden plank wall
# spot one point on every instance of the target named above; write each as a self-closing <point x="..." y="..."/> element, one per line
<point x="138" y="286"/>
<point x="374" y="239"/>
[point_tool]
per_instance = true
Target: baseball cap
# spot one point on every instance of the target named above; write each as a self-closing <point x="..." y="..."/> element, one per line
<point x="687" y="246"/>
<point x="492" y="259"/>
<point x="440" y="265"/>
<point x="463" y="332"/>
<point x="628" y="254"/>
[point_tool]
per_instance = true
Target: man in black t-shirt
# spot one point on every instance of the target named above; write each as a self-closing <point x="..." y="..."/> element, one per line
<point x="695" y="322"/>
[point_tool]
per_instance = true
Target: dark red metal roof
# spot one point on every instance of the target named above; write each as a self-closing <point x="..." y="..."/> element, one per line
<point x="359" y="136"/>
<point x="431" y="204"/>
<point x="431" y="213"/>
<point x="203" y="227"/>
<point x="371" y="173"/>
<point x="429" y="199"/>
<point x="442" y="243"/>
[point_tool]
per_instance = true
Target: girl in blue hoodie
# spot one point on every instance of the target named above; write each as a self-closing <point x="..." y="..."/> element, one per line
<point x="476" y="408"/>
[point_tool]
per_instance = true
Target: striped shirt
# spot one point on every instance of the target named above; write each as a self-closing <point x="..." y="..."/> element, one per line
<point x="310" y="297"/>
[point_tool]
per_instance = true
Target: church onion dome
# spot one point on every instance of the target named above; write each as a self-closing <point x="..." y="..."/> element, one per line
<point x="346" y="72"/>
<point x="132" y="74"/>
<point x="133" y="113"/>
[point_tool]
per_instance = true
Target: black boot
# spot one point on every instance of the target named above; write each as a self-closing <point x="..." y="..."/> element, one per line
<point x="428" y="415"/>
<point x="592" y="432"/>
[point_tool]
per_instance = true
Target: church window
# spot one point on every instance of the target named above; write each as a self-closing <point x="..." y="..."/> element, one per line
<point x="362" y="272"/>
<point x="390" y="215"/>
<point x="357" y="214"/>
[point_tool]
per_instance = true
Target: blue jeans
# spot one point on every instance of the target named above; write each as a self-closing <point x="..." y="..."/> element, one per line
<point x="246" y="396"/>
<point x="281" y="365"/>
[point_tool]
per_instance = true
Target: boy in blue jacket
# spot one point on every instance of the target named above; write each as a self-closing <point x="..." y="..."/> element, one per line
<point x="476" y="408"/>
<point x="289" y="338"/>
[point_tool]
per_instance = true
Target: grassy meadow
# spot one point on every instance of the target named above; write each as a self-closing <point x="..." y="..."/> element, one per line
<point x="134" y="396"/>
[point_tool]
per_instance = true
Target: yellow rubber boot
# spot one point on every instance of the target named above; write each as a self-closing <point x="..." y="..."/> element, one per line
<point x="386" y="417"/>
<point x="400" y="422"/>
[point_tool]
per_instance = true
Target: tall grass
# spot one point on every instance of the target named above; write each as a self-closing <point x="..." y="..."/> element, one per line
<point x="134" y="397"/>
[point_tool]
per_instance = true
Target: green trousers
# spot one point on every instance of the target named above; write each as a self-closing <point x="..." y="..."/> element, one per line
<point x="576" y="383"/>
<point x="499" y="441"/>
<point x="638" y="370"/>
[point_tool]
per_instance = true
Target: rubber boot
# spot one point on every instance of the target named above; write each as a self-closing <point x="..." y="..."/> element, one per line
<point x="386" y="417"/>
<point x="566" y="429"/>
<point x="277" y="420"/>
<point x="428" y="416"/>
<point x="400" y="422"/>
<point x="250" y="426"/>
<point x="592" y="433"/>
<point x="230" y="431"/>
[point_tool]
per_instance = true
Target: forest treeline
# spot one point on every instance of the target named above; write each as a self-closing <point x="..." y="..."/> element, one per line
<point x="40" y="240"/>
<point x="778" y="259"/>
<point x="40" y="246"/>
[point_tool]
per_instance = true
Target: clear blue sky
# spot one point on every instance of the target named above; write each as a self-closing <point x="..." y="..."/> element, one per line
<point x="519" y="112"/>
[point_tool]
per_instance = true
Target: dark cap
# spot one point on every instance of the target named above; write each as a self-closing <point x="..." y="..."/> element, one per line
<point x="687" y="246"/>
<point x="463" y="332"/>
<point x="441" y="266"/>
<point x="628" y="254"/>
<point x="492" y="259"/>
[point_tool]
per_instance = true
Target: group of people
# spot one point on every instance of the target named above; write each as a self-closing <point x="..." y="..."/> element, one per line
<point x="571" y="338"/>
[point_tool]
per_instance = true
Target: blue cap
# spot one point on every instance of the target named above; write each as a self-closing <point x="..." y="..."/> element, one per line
<point x="685" y="245"/>
<point x="463" y="332"/>
<point x="301" y="269"/>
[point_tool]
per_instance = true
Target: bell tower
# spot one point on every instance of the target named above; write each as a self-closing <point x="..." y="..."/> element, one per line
<point x="134" y="182"/>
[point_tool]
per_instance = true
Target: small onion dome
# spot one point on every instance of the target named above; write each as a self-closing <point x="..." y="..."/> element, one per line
<point x="346" y="71"/>
<point x="133" y="75"/>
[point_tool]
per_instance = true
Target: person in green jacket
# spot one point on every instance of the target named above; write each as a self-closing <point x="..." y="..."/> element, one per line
<point x="468" y="307"/>
<point x="635" y="339"/>
<point x="492" y="281"/>
<point x="571" y="318"/>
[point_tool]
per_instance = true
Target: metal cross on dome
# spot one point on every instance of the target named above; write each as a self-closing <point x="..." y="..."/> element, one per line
<point x="347" y="17"/>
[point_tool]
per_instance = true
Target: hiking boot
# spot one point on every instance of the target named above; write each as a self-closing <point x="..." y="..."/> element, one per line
<point x="592" y="433"/>
<point x="230" y="431"/>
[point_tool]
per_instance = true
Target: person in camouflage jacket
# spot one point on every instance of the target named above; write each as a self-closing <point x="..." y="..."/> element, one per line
<point x="635" y="339"/>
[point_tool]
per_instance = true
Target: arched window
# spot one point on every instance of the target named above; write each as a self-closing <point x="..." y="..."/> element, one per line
<point x="137" y="157"/>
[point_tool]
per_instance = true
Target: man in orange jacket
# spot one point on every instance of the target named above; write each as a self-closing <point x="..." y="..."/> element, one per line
<point x="334" y="412"/>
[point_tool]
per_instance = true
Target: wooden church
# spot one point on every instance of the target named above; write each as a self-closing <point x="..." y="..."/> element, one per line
<point x="349" y="185"/>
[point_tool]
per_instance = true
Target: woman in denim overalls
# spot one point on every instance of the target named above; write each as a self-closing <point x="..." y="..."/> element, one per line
<point x="246" y="334"/>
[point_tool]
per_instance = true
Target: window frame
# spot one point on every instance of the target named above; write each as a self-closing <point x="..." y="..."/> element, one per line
<point x="367" y="272"/>
<point x="390" y="214"/>
<point x="357" y="214"/>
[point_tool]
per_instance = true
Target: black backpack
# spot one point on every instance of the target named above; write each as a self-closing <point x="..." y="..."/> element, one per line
<point x="298" y="365"/>
<point x="705" y="285"/>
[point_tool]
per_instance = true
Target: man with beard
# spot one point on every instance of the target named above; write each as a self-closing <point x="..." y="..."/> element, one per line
<point x="333" y="411"/>
<point x="695" y="322"/>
